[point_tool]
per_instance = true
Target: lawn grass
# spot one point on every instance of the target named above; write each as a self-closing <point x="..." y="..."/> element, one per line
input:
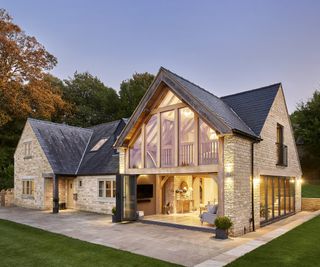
<point x="25" y="246"/>
<point x="299" y="247"/>
<point x="311" y="189"/>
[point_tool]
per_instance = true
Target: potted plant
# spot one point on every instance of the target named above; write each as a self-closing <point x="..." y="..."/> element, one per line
<point x="114" y="214"/>
<point x="223" y="224"/>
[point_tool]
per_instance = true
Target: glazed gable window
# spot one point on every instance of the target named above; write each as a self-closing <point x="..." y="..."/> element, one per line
<point x="27" y="149"/>
<point x="107" y="188"/>
<point x="172" y="136"/>
<point x="28" y="187"/>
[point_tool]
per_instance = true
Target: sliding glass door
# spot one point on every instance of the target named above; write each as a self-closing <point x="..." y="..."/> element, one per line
<point x="277" y="196"/>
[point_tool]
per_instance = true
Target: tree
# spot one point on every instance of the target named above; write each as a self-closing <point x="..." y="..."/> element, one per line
<point x="92" y="102"/>
<point x="24" y="89"/>
<point x="132" y="90"/>
<point x="306" y="125"/>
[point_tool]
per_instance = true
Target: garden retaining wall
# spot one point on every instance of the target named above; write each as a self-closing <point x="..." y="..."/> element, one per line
<point x="310" y="204"/>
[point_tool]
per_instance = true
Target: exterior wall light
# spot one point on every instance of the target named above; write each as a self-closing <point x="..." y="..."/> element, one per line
<point x="228" y="170"/>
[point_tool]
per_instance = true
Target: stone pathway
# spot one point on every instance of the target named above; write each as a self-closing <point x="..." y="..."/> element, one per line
<point x="179" y="246"/>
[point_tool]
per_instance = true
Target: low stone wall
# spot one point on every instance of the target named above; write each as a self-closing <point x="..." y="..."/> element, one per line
<point x="6" y="198"/>
<point x="310" y="204"/>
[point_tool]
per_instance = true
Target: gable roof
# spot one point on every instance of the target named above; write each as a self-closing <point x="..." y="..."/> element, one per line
<point x="217" y="113"/>
<point x="214" y="104"/>
<point x="106" y="159"/>
<point x="67" y="147"/>
<point x="253" y="106"/>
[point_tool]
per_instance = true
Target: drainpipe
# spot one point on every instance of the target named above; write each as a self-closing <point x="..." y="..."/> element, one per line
<point x="252" y="185"/>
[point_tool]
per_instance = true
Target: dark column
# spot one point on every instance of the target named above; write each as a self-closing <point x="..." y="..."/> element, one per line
<point x="55" y="208"/>
<point x="119" y="197"/>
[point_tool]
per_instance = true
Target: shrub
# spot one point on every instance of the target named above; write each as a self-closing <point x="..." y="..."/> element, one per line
<point x="114" y="210"/>
<point x="223" y="222"/>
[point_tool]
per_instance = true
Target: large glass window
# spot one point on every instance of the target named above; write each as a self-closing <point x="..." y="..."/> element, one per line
<point x="135" y="153"/>
<point x="276" y="197"/>
<point x="169" y="99"/>
<point x="292" y="194"/>
<point x="282" y="196"/>
<point x="270" y="198"/>
<point x="208" y="144"/>
<point x="186" y="137"/>
<point x="287" y="188"/>
<point x="151" y="143"/>
<point x="167" y="139"/>
<point x="263" y="206"/>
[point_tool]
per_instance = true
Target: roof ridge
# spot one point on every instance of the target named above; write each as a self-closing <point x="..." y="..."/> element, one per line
<point x="105" y="123"/>
<point x="58" y="124"/>
<point x="252" y="90"/>
<point x="190" y="82"/>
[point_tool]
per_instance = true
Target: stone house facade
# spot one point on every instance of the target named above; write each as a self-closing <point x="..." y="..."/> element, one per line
<point x="82" y="161"/>
<point x="184" y="153"/>
<point x="252" y="159"/>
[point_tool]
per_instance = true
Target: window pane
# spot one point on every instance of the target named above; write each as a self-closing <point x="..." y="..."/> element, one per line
<point x="101" y="188"/>
<point x="151" y="142"/>
<point x="270" y="198"/>
<point x="99" y="144"/>
<point x="263" y="212"/>
<point x="167" y="139"/>
<point x="282" y="199"/>
<point x="276" y="196"/>
<point x="208" y="144"/>
<point x="114" y="189"/>
<point x="108" y="188"/>
<point x="186" y="137"/>
<point x="169" y="99"/>
<point x="135" y="154"/>
<point x="292" y="194"/>
<point x="287" y="180"/>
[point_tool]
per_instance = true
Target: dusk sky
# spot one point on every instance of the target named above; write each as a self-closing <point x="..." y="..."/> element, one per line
<point x="224" y="46"/>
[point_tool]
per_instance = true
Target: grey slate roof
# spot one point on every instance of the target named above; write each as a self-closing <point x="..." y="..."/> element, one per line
<point x="243" y="113"/>
<point x="253" y="106"/>
<point x="214" y="103"/>
<point x="67" y="147"/>
<point x="106" y="159"/>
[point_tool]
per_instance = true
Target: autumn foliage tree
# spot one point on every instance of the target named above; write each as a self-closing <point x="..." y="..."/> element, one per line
<point x="24" y="87"/>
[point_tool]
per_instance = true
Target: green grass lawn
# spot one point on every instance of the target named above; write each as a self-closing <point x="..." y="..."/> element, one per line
<point x="311" y="189"/>
<point x="25" y="246"/>
<point x="299" y="247"/>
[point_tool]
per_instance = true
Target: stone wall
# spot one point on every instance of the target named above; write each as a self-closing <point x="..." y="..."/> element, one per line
<point x="30" y="168"/>
<point x="237" y="191"/>
<point x="6" y="198"/>
<point x="88" y="195"/>
<point x="265" y="156"/>
<point x="310" y="204"/>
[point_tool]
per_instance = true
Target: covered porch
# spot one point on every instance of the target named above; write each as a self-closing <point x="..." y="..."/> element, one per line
<point x="59" y="192"/>
<point x="187" y="200"/>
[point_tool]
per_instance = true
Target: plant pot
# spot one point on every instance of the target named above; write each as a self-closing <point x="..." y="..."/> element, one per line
<point x="114" y="218"/>
<point x="221" y="234"/>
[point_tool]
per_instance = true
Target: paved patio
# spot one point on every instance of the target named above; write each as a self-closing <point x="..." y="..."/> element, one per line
<point x="180" y="246"/>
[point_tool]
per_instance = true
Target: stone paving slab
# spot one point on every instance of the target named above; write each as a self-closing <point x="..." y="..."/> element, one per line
<point x="185" y="247"/>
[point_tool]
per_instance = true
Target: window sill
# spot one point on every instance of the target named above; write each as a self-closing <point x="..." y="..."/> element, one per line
<point x="27" y="157"/>
<point x="106" y="199"/>
<point x="282" y="165"/>
<point x="28" y="197"/>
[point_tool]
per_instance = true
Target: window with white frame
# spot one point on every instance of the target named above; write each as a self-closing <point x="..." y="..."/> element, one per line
<point x="27" y="149"/>
<point x="107" y="188"/>
<point x="28" y="187"/>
